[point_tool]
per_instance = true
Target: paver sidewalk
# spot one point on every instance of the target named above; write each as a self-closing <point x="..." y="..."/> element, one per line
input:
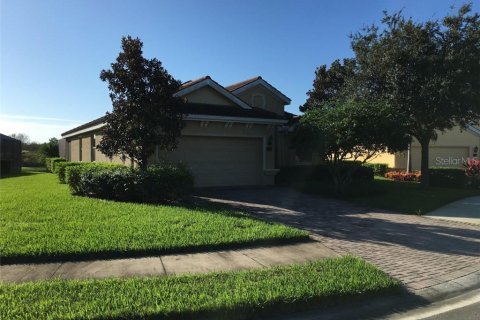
<point x="252" y="258"/>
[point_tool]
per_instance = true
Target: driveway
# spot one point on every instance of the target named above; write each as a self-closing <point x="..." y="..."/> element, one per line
<point x="419" y="251"/>
<point x="465" y="210"/>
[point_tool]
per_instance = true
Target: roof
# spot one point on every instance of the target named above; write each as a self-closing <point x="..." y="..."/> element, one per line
<point x="190" y="83"/>
<point x="240" y="84"/>
<point x="202" y="109"/>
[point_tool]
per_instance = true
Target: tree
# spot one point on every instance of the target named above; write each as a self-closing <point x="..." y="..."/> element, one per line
<point x="356" y="130"/>
<point x="23" y="137"/>
<point x="329" y="83"/>
<point x="49" y="149"/>
<point x="145" y="112"/>
<point x="428" y="72"/>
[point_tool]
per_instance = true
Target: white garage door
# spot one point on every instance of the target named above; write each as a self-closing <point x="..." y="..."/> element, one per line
<point x="219" y="161"/>
<point x="441" y="157"/>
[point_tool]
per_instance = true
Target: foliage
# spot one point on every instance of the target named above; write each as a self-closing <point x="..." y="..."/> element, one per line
<point x="472" y="171"/>
<point x="379" y="169"/>
<point x="349" y="130"/>
<point x="403" y="175"/>
<point x="51" y="162"/>
<point x="145" y="112"/>
<point x="23" y="137"/>
<point x="42" y="221"/>
<point x="165" y="182"/>
<point x="410" y="197"/>
<point x="49" y="149"/>
<point x="448" y="177"/>
<point x="427" y="72"/>
<point x="329" y="83"/>
<point x="73" y="174"/>
<point x="320" y="172"/>
<point x="226" y="295"/>
<point x="61" y="169"/>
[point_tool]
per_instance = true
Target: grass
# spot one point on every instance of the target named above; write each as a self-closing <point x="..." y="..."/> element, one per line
<point x="41" y="221"/>
<point x="408" y="197"/>
<point x="229" y="295"/>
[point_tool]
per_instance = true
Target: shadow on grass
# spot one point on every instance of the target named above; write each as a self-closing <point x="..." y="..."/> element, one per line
<point x="279" y="309"/>
<point x="26" y="171"/>
<point x="115" y="254"/>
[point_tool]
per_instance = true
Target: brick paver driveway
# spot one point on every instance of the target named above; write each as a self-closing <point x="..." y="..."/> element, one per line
<point x="419" y="251"/>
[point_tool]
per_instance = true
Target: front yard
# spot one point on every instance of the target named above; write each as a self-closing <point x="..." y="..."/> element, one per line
<point x="41" y="221"/>
<point x="409" y="197"/>
<point x="237" y="295"/>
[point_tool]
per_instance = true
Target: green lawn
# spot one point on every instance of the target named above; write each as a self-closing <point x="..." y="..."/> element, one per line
<point x="408" y="197"/>
<point x="41" y="221"/>
<point x="227" y="295"/>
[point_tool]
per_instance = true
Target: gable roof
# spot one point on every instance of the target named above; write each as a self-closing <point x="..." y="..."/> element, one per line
<point x="239" y="87"/>
<point x="195" y="110"/>
<point x="191" y="86"/>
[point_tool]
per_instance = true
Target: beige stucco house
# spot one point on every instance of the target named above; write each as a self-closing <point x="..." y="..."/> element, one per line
<point x="451" y="149"/>
<point x="232" y="137"/>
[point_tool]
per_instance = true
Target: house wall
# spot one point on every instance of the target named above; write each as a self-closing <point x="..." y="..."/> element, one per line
<point x="451" y="149"/>
<point x="208" y="95"/>
<point x="253" y="96"/>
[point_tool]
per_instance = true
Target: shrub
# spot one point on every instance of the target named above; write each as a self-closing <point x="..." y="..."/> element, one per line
<point x="403" y="175"/>
<point x="296" y="174"/>
<point x="61" y="169"/>
<point x="379" y="169"/>
<point x="165" y="182"/>
<point x="73" y="173"/>
<point x="472" y="171"/>
<point x="51" y="162"/>
<point x="448" y="177"/>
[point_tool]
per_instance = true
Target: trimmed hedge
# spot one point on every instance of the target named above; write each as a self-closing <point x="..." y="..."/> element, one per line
<point x="448" y="177"/>
<point x="50" y="163"/>
<point x="73" y="173"/>
<point x="158" y="183"/>
<point x="379" y="169"/>
<point x="61" y="168"/>
<point x="321" y="172"/>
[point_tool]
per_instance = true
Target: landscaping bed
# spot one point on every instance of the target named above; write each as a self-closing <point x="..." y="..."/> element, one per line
<point x="228" y="295"/>
<point x="42" y="221"/>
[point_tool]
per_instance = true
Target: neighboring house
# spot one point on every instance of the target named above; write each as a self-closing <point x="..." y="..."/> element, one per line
<point x="231" y="137"/>
<point x="11" y="155"/>
<point x="451" y="149"/>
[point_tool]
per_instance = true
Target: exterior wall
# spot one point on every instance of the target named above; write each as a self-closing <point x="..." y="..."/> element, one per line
<point x="387" y="158"/>
<point x="451" y="149"/>
<point x="75" y="150"/>
<point x="86" y="149"/>
<point x="208" y="95"/>
<point x="253" y="95"/>
<point x="10" y="155"/>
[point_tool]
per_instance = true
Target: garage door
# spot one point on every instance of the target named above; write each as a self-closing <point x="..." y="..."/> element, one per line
<point x="441" y="156"/>
<point x="219" y="161"/>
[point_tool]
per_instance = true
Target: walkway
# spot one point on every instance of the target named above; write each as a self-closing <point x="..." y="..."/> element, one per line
<point x="419" y="251"/>
<point x="169" y="264"/>
<point x="465" y="210"/>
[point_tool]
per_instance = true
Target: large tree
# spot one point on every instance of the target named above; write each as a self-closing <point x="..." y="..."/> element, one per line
<point x="349" y="130"/>
<point x="429" y="73"/>
<point x="329" y="83"/>
<point x="145" y="112"/>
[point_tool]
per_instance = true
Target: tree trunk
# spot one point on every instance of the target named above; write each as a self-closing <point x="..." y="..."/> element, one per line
<point x="425" y="178"/>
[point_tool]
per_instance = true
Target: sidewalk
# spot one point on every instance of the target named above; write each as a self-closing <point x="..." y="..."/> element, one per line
<point x="252" y="258"/>
<point x="464" y="210"/>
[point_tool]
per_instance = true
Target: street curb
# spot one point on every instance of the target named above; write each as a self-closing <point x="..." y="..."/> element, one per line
<point x="389" y="305"/>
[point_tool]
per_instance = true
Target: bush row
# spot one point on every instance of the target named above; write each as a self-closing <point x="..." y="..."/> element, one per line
<point x="448" y="177"/>
<point x="51" y="163"/>
<point x="379" y="169"/>
<point x="158" y="183"/>
<point x="403" y="175"/>
<point x="321" y="172"/>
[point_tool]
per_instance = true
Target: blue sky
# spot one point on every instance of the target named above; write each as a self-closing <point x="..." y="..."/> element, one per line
<point x="52" y="51"/>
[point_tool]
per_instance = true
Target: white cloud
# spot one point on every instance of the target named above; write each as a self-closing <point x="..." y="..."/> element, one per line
<point x="39" y="129"/>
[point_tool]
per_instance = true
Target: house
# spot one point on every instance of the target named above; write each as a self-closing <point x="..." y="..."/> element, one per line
<point x="451" y="149"/>
<point x="231" y="137"/>
<point x="11" y="155"/>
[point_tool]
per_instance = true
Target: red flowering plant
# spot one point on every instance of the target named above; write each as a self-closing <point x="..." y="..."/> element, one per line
<point x="403" y="175"/>
<point x="472" y="171"/>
